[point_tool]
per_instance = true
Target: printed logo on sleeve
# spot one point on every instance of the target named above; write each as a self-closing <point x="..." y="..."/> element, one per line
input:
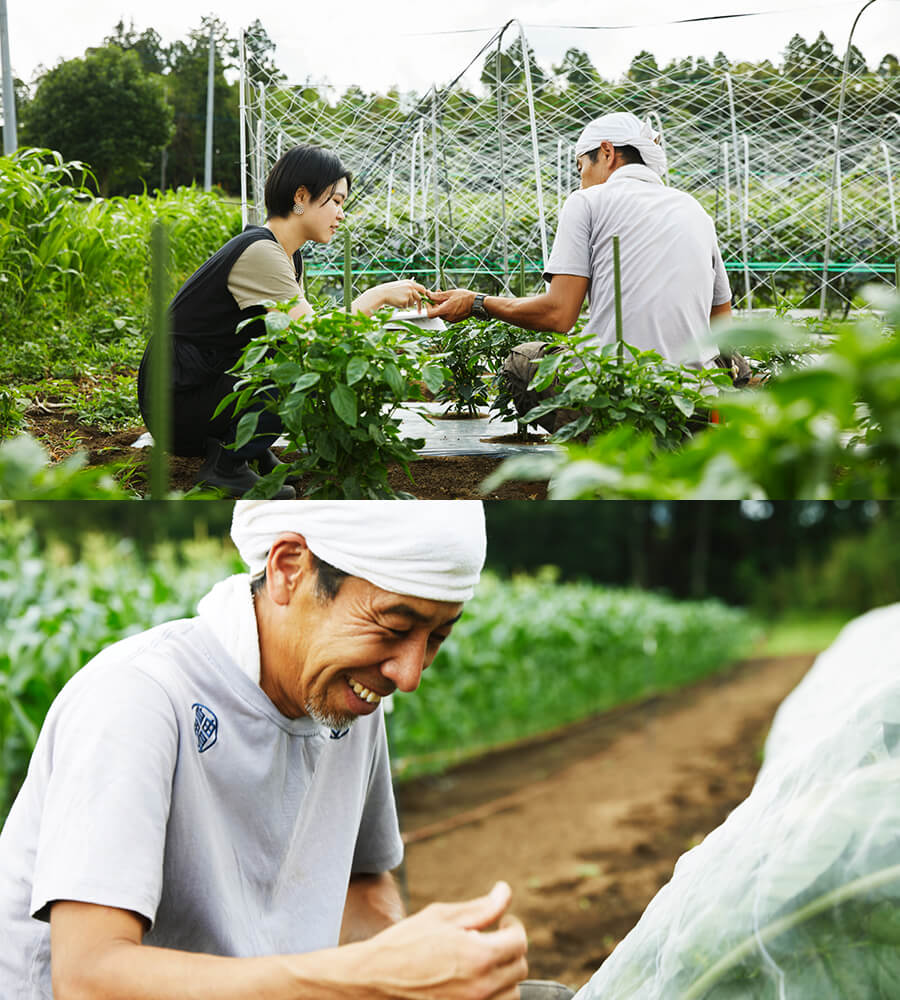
<point x="206" y="726"/>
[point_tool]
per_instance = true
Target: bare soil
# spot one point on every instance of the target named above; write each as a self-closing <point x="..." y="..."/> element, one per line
<point x="434" y="478"/>
<point x="586" y="823"/>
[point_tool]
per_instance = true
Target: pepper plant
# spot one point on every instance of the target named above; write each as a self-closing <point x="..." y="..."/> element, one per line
<point x="604" y="388"/>
<point x="335" y="380"/>
<point x="472" y="353"/>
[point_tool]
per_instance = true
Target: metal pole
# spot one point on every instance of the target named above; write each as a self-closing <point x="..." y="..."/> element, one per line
<point x="534" y="146"/>
<point x="741" y="211"/>
<point x="559" y="170"/>
<point x="727" y="186"/>
<point x="390" y="191"/>
<point x="890" y="184"/>
<point x="242" y="108"/>
<point x="838" y="180"/>
<point x="423" y="192"/>
<point x="210" y="81"/>
<point x="412" y="184"/>
<point x="260" y="172"/>
<point x="662" y="140"/>
<point x="503" y="229"/>
<point x="436" y="198"/>
<point x="834" y="173"/>
<point x="746" y="178"/>
<point x="10" y="140"/>
<point x="261" y="127"/>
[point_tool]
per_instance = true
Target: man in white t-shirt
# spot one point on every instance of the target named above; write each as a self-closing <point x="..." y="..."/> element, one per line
<point x="672" y="274"/>
<point x="208" y="811"/>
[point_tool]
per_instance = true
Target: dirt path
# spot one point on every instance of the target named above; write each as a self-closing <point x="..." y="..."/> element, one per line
<point x="434" y="477"/>
<point x="587" y="825"/>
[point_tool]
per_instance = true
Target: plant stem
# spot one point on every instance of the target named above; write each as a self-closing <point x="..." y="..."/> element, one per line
<point x="617" y="279"/>
<point x="835" y="897"/>
<point x="348" y="272"/>
<point x="160" y="363"/>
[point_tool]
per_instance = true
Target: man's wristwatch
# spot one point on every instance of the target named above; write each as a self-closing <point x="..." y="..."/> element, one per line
<point x="478" y="310"/>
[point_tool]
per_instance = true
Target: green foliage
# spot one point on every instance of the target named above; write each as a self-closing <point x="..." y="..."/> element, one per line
<point x="103" y="109"/>
<point x="606" y="391"/>
<point x="335" y="380"/>
<point x="56" y="612"/>
<point x="472" y="353"/>
<point x="26" y="474"/>
<point x="830" y="429"/>
<point x="12" y="406"/>
<point x="855" y="575"/>
<point x="531" y="653"/>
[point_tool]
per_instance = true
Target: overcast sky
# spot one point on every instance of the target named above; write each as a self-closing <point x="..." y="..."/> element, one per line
<point x="402" y="42"/>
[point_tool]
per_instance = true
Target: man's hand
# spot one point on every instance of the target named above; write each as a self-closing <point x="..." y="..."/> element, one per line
<point x="445" y="952"/>
<point x="453" y="305"/>
<point x="442" y="953"/>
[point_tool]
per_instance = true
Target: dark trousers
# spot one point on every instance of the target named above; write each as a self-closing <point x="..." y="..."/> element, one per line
<point x="193" y="422"/>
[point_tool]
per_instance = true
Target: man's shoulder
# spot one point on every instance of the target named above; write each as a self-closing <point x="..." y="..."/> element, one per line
<point x="152" y="659"/>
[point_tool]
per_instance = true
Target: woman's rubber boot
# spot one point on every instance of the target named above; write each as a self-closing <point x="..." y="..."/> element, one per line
<point x="231" y="475"/>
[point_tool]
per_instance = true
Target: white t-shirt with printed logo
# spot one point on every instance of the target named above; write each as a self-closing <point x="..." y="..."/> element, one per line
<point x="166" y="782"/>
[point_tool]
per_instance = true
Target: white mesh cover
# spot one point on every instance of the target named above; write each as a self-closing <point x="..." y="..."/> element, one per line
<point x="797" y="893"/>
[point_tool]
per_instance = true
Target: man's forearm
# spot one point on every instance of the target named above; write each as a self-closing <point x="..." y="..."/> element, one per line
<point x="127" y="971"/>
<point x="373" y="903"/>
<point x="535" y="312"/>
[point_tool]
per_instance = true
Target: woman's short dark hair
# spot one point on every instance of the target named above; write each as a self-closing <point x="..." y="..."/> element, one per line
<point x="318" y="170"/>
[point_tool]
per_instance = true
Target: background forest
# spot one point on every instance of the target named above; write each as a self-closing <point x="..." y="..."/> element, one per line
<point x="134" y="108"/>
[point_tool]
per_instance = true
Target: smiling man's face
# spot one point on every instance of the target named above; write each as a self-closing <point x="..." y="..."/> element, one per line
<point x="335" y="659"/>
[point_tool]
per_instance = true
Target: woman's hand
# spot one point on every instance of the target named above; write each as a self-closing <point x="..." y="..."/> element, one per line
<point x="404" y="294"/>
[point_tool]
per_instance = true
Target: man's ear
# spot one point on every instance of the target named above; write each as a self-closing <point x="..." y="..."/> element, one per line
<point x="289" y="559"/>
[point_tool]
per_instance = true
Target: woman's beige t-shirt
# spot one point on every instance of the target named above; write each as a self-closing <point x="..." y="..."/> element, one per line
<point x="264" y="271"/>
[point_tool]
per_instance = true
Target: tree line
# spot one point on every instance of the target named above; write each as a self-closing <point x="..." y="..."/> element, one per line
<point x="775" y="556"/>
<point x="134" y="109"/>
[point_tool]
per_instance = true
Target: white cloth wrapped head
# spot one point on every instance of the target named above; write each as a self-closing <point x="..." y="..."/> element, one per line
<point x="622" y="128"/>
<point x="432" y="549"/>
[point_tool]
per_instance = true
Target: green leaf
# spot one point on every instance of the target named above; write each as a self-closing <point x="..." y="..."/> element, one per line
<point x="343" y="400"/>
<point x="306" y="380"/>
<point x="325" y="447"/>
<point x="246" y="428"/>
<point x="277" y="322"/>
<point x="357" y="367"/>
<point x="685" y="405"/>
<point x="395" y="379"/>
<point x="434" y="376"/>
<point x="253" y="354"/>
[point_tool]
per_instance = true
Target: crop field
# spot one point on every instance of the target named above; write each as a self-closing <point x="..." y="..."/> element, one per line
<point x="77" y="289"/>
<point x="796" y="163"/>
<point x="619" y="728"/>
<point x="505" y="673"/>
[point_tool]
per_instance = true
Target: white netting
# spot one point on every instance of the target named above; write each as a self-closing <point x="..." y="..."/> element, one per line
<point x="797" y="893"/>
<point x="445" y="185"/>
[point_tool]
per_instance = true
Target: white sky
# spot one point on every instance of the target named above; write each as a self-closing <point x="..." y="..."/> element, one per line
<point x="389" y="42"/>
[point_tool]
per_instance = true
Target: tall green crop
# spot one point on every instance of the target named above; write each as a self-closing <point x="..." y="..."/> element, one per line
<point x="531" y="654"/>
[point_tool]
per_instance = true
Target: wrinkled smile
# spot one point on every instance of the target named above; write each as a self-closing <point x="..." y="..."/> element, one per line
<point x="363" y="692"/>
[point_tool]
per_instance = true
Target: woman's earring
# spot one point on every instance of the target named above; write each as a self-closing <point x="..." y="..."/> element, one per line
<point x="298" y="208"/>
